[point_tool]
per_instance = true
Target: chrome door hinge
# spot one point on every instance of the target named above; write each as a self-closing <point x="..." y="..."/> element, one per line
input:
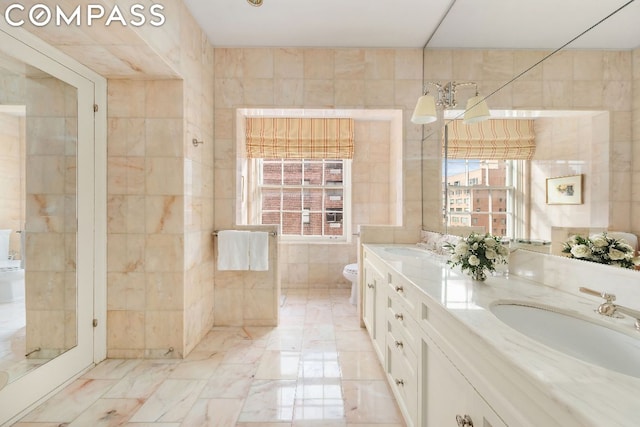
<point x="95" y="323"/>
<point x="95" y="108"/>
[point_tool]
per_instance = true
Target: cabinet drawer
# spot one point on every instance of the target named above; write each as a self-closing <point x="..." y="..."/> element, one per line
<point x="405" y="290"/>
<point x="403" y="377"/>
<point x="401" y="323"/>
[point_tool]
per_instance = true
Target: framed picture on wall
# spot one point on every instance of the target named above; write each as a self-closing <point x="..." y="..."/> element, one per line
<point x="565" y="190"/>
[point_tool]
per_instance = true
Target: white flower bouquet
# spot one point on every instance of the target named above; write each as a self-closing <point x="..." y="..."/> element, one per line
<point x="478" y="253"/>
<point x="602" y="249"/>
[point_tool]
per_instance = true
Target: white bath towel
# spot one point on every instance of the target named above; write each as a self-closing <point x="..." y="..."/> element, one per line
<point x="259" y="251"/>
<point x="233" y="250"/>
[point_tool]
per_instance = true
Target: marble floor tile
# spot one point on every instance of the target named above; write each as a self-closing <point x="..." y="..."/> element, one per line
<point x="229" y="382"/>
<point x="112" y="369"/>
<point x="278" y="365"/>
<point x="107" y="413"/>
<point x="269" y="401"/>
<point x="171" y="402"/>
<point x="360" y="365"/>
<point x="143" y="380"/>
<point x="197" y="369"/>
<point x="214" y="413"/>
<point x="72" y="401"/>
<point x="371" y="402"/>
<point x="316" y="369"/>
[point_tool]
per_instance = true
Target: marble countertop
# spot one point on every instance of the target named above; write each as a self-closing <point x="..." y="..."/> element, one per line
<point x="598" y="396"/>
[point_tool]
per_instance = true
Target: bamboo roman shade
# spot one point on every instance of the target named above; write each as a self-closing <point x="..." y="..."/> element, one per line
<point x="299" y="138"/>
<point x="498" y="139"/>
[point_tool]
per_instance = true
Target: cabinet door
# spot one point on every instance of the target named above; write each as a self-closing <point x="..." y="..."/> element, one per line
<point x="373" y="310"/>
<point x="446" y="394"/>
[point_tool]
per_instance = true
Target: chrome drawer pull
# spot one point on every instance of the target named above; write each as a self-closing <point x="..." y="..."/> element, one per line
<point x="370" y="286"/>
<point x="399" y="382"/>
<point x="399" y="344"/>
<point x="399" y="316"/>
<point x="399" y="288"/>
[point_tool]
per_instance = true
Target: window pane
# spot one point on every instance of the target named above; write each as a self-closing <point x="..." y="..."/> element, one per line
<point x="291" y="200"/>
<point x="292" y="172"/>
<point x="314" y="227"/>
<point x="313" y="173"/>
<point x="271" y="218"/>
<point x="291" y="223"/>
<point x="272" y="172"/>
<point x="333" y="173"/>
<point x="313" y="200"/>
<point x="333" y="199"/>
<point x="271" y="200"/>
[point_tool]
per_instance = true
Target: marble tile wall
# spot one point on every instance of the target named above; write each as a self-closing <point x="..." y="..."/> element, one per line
<point x="250" y="298"/>
<point x="160" y="207"/>
<point x="320" y="78"/>
<point x="572" y="79"/>
<point x="145" y="210"/>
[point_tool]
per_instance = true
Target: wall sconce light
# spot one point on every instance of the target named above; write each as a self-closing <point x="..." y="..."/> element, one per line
<point x="256" y="3"/>
<point x="425" y="111"/>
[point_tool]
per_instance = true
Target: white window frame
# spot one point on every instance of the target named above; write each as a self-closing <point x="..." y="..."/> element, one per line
<point x="513" y="188"/>
<point x="256" y="185"/>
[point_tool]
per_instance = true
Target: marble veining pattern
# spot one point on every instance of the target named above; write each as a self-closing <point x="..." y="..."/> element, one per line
<point x="317" y="368"/>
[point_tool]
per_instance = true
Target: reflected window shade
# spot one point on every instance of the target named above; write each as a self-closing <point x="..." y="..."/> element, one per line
<point x="299" y="138"/>
<point x="492" y="140"/>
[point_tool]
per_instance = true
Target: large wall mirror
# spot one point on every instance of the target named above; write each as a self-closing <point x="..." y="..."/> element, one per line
<point x="38" y="282"/>
<point x="576" y="106"/>
<point x="49" y="194"/>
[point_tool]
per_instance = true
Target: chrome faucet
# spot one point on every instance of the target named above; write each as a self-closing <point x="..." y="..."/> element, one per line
<point x="608" y="308"/>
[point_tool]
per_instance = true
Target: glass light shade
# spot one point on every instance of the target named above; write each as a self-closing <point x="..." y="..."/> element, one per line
<point x="425" y="111"/>
<point x="476" y="113"/>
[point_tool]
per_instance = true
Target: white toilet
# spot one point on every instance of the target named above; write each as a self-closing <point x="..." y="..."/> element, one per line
<point x="350" y="273"/>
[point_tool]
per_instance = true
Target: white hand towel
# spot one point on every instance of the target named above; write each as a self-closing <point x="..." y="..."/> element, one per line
<point x="259" y="251"/>
<point x="233" y="250"/>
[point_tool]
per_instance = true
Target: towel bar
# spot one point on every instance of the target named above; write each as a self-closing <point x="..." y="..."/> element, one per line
<point x="271" y="233"/>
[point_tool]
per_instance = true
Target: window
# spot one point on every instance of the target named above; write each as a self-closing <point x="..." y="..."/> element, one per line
<point x="306" y="198"/>
<point x="491" y="189"/>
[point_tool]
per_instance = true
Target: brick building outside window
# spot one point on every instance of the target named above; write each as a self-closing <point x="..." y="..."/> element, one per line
<point x="307" y="198"/>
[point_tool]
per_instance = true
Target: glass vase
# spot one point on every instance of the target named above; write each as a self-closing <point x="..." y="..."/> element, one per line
<point x="479" y="274"/>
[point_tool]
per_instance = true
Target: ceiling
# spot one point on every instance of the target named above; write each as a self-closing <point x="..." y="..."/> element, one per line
<point x="539" y="24"/>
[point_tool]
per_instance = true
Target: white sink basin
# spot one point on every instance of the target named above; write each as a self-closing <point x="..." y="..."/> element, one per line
<point x="575" y="336"/>
<point x="408" y="252"/>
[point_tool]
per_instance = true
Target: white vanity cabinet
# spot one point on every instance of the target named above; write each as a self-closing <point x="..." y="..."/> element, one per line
<point x="373" y="305"/>
<point x="429" y="389"/>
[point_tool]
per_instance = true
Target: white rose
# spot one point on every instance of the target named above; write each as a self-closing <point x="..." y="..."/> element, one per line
<point x="503" y="250"/>
<point x="490" y="254"/>
<point x="474" y="246"/>
<point x="474" y="260"/>
<point x="461" y="248"/>
<point x="581" y="251"/>
<point x="599" y="241"/>
<point x="455" y="258"/>
<point x="615" y="254"/>
<point x="490" y="242"/>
